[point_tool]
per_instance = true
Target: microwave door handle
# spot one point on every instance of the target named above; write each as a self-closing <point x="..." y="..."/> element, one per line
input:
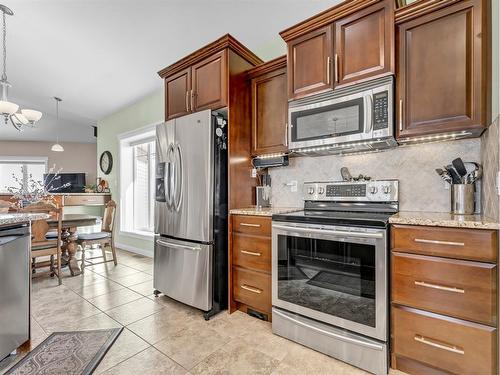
<point x="368" y="113"/>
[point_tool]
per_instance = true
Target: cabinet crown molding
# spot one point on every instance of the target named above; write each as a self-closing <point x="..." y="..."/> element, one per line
<point x="226" y="41"/>
<point x="325" y="18"/>
<point x="420" y="8"/>
<point x="267" y="67"/>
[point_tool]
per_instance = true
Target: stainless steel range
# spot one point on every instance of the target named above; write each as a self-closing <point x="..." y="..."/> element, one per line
<point x="330" y="271"/>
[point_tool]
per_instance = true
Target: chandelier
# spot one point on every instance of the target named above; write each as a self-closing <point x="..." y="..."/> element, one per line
<point x="27" y="117"/>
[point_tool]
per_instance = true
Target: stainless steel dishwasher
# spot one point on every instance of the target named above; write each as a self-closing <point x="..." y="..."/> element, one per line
<point x="15" y="279"/>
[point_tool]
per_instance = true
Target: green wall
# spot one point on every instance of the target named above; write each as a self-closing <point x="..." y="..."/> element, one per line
<point x="146" y="111"/>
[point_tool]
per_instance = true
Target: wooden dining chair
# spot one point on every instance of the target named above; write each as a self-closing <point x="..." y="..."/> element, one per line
<point x="104" y="238"/>
<point x="43" y="245"/>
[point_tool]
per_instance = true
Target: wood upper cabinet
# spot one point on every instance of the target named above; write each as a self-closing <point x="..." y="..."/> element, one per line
<point x="177" y="94"/>
<point x="310" y="62"/>
<point x="364" y="44"/>
<point x="349" y="43"/>
<point x="210" y="83"/>
<point x="442" y="69"/>
<point x="269" y="107"/>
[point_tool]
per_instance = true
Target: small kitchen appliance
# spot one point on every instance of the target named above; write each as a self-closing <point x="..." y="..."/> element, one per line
<point x="351" y="119"/>
<point x="330" y="271"/>
<point x="190" y="251"/>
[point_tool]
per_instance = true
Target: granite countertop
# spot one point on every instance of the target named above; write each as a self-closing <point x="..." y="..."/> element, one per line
<point x="13" y="218"/>
<point x="263" y="211"/>
<point x="444" y="219"/>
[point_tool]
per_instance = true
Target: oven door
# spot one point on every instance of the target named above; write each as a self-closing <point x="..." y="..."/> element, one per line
<point x="337" y="275"/>
<point x="340" y="120"/>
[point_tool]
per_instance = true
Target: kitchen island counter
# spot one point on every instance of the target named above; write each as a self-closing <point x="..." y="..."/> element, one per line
<point x="444" y="219"/>
<point x="17" y="218"/>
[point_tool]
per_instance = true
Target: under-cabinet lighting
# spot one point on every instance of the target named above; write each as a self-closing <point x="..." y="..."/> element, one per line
<point x="271" y="156"/>
<point x="437" y="137"/>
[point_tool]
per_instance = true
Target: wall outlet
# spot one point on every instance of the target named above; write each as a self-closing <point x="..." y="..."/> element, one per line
<point x="293" y="185"/>
<point x="254" y="173"/>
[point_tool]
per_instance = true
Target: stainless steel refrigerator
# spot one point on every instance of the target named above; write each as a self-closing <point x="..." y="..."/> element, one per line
<point x="190" y="253"/>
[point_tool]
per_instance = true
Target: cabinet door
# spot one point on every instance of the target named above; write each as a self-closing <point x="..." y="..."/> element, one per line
<point x="177" y="89"/>
<point x="210" y="82"/>
<point x="440" y="71"/>
<point x="310" y="63"/>
<point x="364" y="44"/>
<point x="269" y="113"/>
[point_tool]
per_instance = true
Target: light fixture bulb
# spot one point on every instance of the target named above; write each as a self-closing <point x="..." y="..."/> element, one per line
<point x="31" y="115"/>
<point x="8" y="108"/>
<point x="57" y="148"/>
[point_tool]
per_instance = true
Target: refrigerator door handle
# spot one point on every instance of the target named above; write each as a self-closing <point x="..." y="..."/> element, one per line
<point x="171" y="172"/>
<point x="180" y="176"/>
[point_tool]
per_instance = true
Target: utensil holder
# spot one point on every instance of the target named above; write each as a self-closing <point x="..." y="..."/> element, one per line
<point x="462" y="199"/>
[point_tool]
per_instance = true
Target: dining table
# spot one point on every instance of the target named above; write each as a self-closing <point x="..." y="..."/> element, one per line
<point x="69" y="236"/>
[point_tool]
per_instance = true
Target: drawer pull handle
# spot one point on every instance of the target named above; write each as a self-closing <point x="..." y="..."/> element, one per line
<point x="449" y="348"/>
<point x="251" y="253"/>
<point x="250" y="225"/>
<point x="440" y="287"/>
<point x="420" y="240"/>
<point x="251" y="289"/>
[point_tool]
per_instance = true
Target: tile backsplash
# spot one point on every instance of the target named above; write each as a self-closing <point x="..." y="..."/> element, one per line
<point x="490" y="149"/>
<point x="421" y="189"/>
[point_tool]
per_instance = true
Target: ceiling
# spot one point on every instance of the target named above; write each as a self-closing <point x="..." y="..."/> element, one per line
<point x="102" y="55"/>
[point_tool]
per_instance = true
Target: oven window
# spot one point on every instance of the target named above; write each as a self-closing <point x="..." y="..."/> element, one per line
<point x="329" y="121"/>
<point x="336" y="278"/>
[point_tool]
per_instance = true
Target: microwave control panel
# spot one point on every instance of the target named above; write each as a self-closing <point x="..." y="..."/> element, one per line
<point x="380" y="110"/>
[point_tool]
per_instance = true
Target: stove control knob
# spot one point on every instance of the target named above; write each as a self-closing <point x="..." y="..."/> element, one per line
<point x="373" y="190"/>
<point x="387" y="189"/>
<point x="321" y="190"/>
<point x="310" y="190"/>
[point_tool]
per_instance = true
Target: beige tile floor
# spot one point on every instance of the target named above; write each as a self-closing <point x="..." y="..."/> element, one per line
<point x="162" y="336"/>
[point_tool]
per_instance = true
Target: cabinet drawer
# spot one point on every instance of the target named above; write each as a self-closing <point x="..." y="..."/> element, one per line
<point x="252" y="288"/>
<point x="85" y="200"/>
<point x="252" y="225"/>
<point x="448" y="344"/>
<point x="475" y="244"/>
<point x="460" y="288"/>
<point x="252" y="252"/>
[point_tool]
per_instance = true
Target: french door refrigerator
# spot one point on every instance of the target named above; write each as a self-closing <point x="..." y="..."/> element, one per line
<point x="190" y="251"/>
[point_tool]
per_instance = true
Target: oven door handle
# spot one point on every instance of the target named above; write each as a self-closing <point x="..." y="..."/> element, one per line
<point x="329" y="232"/>
<point x="329" y="333"/>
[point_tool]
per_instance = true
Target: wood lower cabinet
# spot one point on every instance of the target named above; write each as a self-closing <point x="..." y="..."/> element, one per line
<point x="443" y="68"/>
<point x="364" y="47"/>
<point x="250" y="264"/>
<point x="444" y="300"/>
<point x="269" y="107"/>
<point x="346" y="44"/>
<point x="444" y="345"/>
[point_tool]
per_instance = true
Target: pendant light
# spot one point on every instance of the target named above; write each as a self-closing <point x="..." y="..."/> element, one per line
<point x="27" y="117"/>
<point x="57" y="147"/>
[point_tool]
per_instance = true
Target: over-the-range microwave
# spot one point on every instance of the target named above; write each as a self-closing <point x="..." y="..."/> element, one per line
<point x="351" y="119"/>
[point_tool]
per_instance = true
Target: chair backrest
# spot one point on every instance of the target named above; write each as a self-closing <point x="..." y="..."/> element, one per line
<point x="39" y="228"/>
<point x="108" y="219"/>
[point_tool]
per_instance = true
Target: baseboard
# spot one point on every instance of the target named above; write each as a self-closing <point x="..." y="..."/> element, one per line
<point x="133" y="249"/>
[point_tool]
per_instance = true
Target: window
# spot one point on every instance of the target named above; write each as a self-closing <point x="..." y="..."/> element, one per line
<point x="22" y="169"/>
<point x="144" y="169"/>
<point x="137" y="182"/>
